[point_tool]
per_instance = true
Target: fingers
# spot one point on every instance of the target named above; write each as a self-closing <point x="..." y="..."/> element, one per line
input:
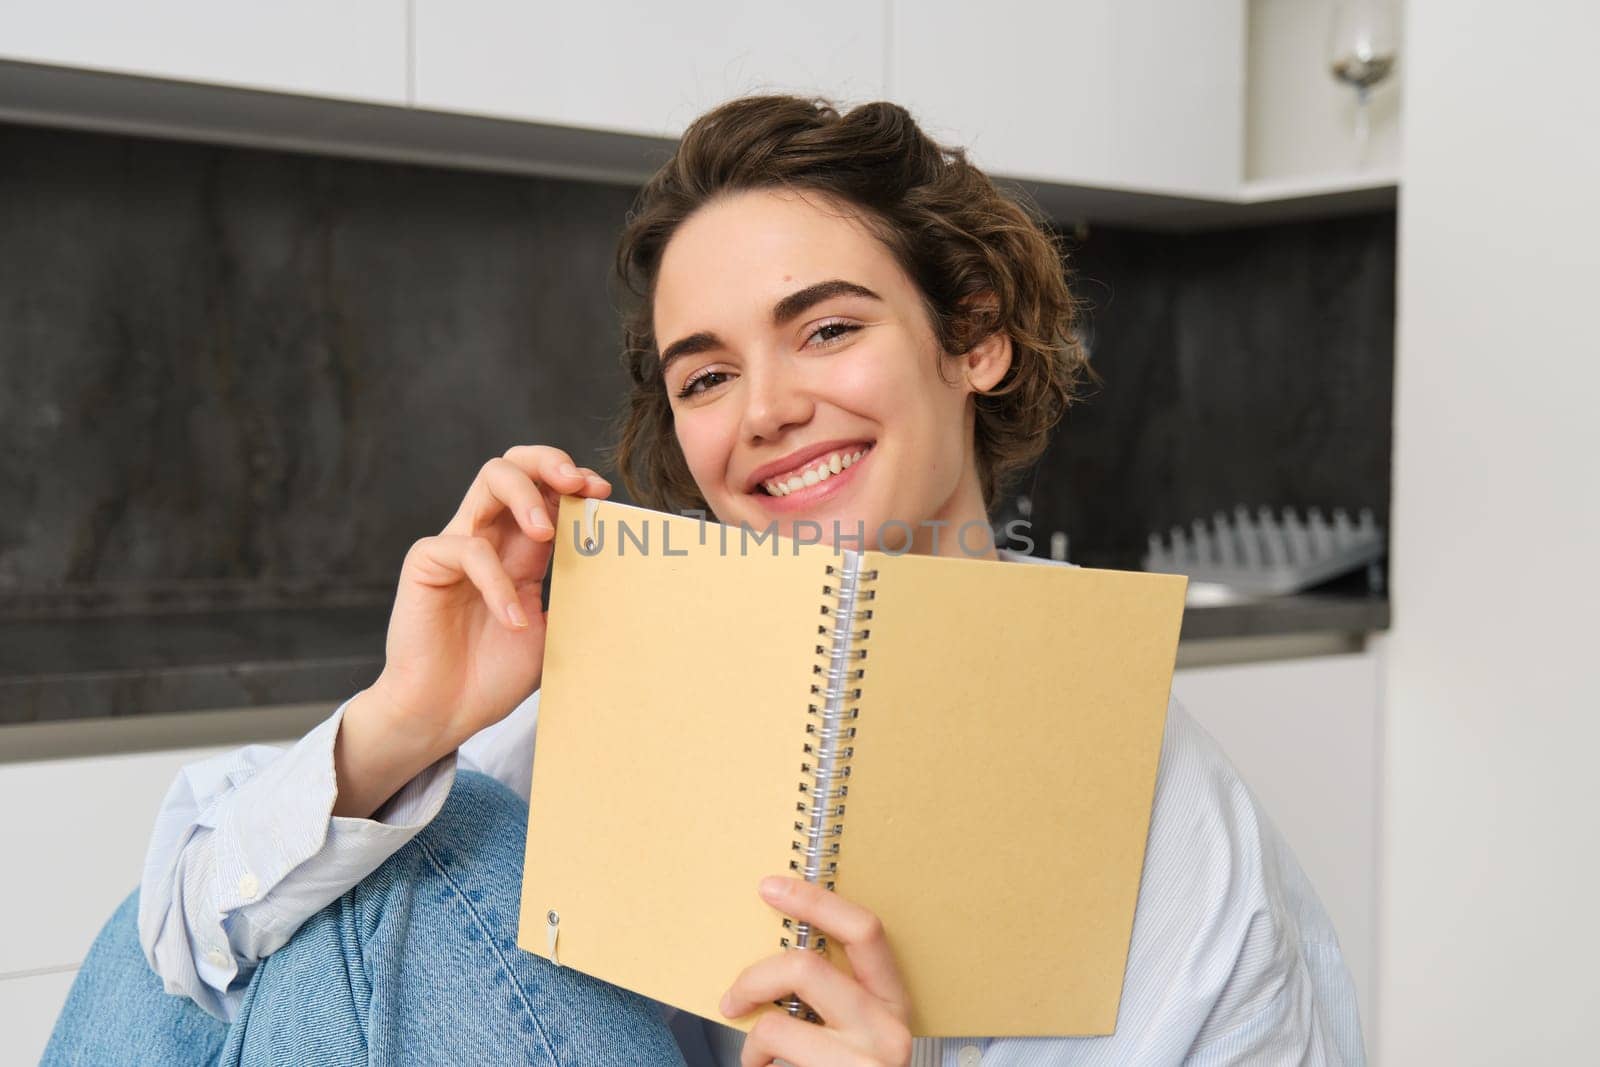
<point x="554" y="469"/>
<point x="850" y="925"/>
<point x="509" y="487"/>
<point x="443" y="560"/>
<point x="778" y="1036"/>
<point x="528" y="481"/>
<point x="827" y="990"/>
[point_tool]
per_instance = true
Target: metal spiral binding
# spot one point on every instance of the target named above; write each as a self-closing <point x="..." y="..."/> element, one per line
<point x="828" y="743"/>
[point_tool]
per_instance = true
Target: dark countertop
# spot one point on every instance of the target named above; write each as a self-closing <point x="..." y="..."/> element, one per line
<point x="84" y="668"/>
<point x="1305" y="613"/>
<point x="53" y="670"/>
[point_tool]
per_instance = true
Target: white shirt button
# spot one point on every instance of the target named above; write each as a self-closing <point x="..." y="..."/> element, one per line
<point x="217" y="958"/>
<point x="248" y="886"/>
<point x="969" y="1056"/>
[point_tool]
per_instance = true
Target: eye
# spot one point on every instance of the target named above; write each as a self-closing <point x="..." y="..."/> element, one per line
<point x="836" y="330"/>
<point x="692" y="385"/>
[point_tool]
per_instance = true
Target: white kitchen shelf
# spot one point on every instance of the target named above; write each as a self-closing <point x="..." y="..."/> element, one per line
<point x="1254" y="202"/>
<point x="1300" y="187"/>
<point x="44" y="95"/>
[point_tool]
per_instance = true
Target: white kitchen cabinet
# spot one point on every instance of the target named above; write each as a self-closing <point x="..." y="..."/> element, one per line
<point x="1127" y="112"/>
<point x="637" y="67"/>
<point x="1128" y="94"/>
<point x="1300" y="124"/>
<point x="1303" y="734"/>
<point x="353" y="49"/>
<point x="29" y="1006"/>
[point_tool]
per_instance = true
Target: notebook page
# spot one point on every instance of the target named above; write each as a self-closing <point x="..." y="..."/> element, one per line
<point x="669" y="746"/>
<point x="1011" y="723"/>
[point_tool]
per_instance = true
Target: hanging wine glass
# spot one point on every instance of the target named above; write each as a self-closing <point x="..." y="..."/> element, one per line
<point x="1361" y="53"/>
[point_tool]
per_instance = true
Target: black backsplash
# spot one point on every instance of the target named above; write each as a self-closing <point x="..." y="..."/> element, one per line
<point x="226" y="369"/>
<point x="231" y="366"/>
<point x="1247" y="366"/>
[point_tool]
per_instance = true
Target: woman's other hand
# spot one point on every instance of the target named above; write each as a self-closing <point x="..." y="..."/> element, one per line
<point x="866" y="1018"/>
<point x="466" y="636"/>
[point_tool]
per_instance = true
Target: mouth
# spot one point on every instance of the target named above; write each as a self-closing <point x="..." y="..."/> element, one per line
<point x="815" y="479"/>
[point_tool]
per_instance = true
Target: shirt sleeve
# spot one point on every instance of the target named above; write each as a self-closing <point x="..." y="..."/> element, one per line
<point x="246" y="848"/>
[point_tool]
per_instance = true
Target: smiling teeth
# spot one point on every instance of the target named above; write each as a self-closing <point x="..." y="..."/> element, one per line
<point x="820" y="472"/>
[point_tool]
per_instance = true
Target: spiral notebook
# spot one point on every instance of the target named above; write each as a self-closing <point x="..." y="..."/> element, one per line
<point x="966" y="747"/>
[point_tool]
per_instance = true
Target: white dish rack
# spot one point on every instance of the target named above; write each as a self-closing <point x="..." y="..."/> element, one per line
<point x="1265" y="554"/>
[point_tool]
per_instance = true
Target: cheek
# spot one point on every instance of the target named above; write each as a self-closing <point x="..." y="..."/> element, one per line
<point x="860" y="390"/>
<point x="876" y="384"/>
<point x="917" y="397"/>
<point x="706" y="444"/>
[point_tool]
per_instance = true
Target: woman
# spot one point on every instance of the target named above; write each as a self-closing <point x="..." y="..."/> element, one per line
<point x="839" y="320"/>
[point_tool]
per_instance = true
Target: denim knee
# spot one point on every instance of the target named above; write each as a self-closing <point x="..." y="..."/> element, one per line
<point x="484" y="818"/>
<point x="470" y="853"/>
<point x="419" y="963"/>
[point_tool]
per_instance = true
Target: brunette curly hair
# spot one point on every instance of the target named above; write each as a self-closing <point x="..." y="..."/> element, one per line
<point x="982" y="260"/>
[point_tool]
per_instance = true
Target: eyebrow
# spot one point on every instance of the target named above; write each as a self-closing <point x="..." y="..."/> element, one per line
<point x="791" y="306"/>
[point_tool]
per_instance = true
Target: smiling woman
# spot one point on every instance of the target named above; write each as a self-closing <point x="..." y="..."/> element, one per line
<point x="838" y="320"/>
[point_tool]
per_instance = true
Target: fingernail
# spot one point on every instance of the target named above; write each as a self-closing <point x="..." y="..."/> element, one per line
<point x="537" y="520"/>
<point x="567" y="469"/>
<point x="773" y="887"/>
<point x="514" y="613"/>
<point x="727" y="1003"/>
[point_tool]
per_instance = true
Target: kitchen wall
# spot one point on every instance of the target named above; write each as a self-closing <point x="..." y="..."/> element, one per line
<point x="1490" y="725"/>
<point x="263" y="375"/>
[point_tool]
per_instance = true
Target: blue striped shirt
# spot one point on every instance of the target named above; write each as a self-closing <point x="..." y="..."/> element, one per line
<point x="1232" y="959"/>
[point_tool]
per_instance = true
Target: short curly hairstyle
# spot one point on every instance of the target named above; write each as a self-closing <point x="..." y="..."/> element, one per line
<point x="982" y="260"/>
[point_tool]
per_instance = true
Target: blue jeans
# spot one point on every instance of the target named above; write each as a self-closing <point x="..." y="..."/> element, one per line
<point x="417" y="964"/>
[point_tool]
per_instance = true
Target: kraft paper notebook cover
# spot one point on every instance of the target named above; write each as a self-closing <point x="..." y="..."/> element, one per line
<point x="991" y="806"/>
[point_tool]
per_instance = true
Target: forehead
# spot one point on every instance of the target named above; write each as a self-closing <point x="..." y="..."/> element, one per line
<point x="738" y="255"/>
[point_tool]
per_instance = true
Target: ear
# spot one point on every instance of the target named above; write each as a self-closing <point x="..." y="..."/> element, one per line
<point x="990" y="358"/>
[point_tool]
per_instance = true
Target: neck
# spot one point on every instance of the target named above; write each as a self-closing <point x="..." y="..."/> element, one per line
<point x="965" y="530"/>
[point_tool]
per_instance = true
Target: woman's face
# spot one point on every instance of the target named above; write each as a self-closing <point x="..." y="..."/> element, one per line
<point x="793" y="342"/>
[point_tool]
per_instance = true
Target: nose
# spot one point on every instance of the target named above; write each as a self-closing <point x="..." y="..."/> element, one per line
<point x="775" y="400"/>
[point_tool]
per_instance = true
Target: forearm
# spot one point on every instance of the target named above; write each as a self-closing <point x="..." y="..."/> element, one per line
<point x="376" y="753"/>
